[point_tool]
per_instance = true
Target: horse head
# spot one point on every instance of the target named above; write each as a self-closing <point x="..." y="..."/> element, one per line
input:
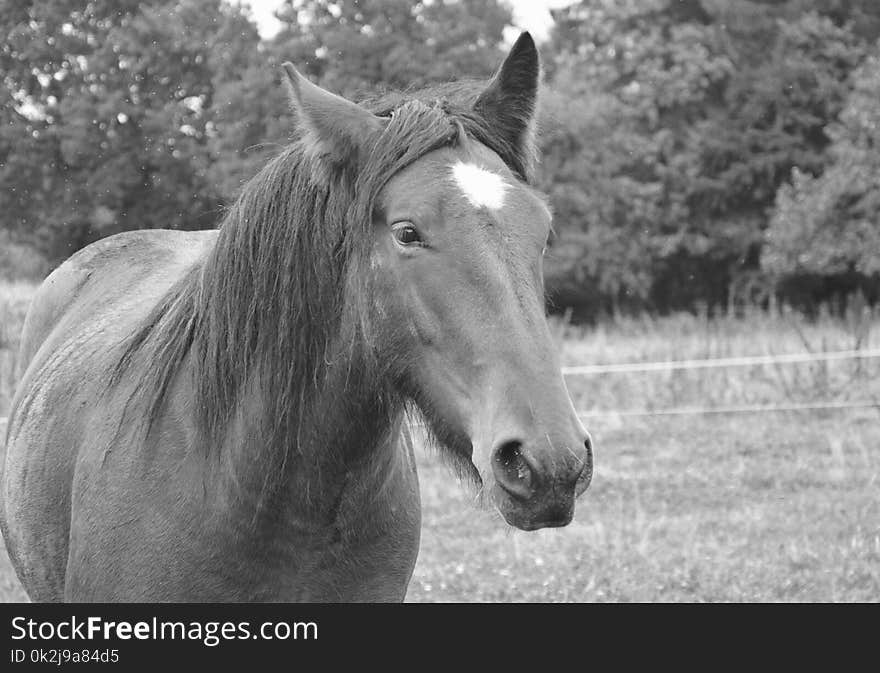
<point x="455" y="240"/>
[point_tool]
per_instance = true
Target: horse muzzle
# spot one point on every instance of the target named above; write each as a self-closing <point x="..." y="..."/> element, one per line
<point x="532" y="491"/>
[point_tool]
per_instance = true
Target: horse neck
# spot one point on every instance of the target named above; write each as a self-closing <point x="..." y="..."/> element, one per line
<point x="303" y="405"/>
<point x="343" y="430"/>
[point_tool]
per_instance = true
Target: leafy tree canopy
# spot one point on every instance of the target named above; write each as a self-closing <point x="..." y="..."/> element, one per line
<point x="696" y="152"/>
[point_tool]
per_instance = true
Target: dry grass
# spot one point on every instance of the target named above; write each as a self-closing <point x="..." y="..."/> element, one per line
<point x="14" y="300"/>
<point x="747" y="507"/>
<point x="783" y="508"/>
<point x="685" y="337"/>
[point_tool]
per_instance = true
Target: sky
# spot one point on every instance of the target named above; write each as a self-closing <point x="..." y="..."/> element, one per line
<point x="531" y="15"/>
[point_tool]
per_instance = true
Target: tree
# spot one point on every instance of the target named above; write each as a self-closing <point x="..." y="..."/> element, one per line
<point x="828" y="225"/>
<point x="643" y="73"/>
<point x="109" y="115"/>
<point x="708" y="105"/>
<point x="354" y="47"/>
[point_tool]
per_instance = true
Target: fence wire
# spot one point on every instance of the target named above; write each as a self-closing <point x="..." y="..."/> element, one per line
<point x="710" y="363"/>
<point x="744" y="361"/>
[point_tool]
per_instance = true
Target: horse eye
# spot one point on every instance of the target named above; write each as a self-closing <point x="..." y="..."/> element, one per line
<point x="405" y="233"/>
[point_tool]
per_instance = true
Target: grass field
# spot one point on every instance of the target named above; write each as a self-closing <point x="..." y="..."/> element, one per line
<point x="740" y="507"/>
<point x="14" y="301"/>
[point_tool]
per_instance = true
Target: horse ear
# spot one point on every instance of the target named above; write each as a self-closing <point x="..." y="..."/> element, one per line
<point x="510" y="100"/>
<point x="331" y="124"/>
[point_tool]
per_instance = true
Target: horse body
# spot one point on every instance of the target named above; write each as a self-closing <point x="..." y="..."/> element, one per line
<point x="75" y="315"/>
<point x="97" y="512"/>
<point x="220" y="416"/>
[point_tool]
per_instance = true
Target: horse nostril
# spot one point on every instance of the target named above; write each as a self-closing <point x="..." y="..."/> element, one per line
<point x="588" y="456"/>
<point x="585" y="475"/>
<point x="512" y="471"/>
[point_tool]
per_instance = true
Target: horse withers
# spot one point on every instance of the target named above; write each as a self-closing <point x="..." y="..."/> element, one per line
<point x="221" y="415"/>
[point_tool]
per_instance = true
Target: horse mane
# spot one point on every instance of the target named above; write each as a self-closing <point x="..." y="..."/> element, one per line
<point x="284" y="293"/>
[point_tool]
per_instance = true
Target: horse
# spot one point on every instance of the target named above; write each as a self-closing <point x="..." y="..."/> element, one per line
<point x="223" y="415"/>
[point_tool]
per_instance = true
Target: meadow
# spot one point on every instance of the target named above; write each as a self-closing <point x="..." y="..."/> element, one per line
<point x="771" y="506"/>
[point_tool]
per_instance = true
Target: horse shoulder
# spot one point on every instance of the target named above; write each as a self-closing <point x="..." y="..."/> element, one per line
<point x="133" y="267"/>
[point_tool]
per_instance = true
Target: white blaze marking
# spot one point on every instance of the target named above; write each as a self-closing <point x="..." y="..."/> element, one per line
<point x="483" y="188"/>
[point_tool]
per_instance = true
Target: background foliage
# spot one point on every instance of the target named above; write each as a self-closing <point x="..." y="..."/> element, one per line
<point x="698" y="153"/>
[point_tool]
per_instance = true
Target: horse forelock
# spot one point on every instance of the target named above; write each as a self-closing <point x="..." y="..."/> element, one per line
<point x="457" y="100"/>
